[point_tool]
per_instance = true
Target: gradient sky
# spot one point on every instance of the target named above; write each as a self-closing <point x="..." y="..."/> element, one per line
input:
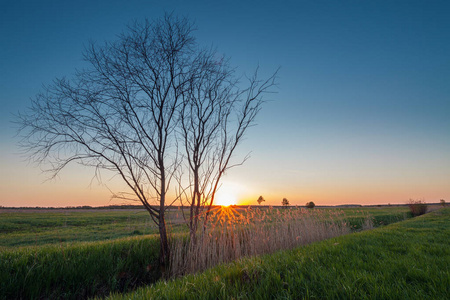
<point x="362" y="113"/>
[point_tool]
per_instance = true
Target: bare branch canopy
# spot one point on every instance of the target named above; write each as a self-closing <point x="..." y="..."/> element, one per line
<point x="154" y="108"/>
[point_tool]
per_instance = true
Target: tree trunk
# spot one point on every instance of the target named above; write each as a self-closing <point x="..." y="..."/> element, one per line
<point x="164" y="254"/>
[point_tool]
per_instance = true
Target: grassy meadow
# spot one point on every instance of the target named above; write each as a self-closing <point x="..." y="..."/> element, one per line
<point x="84" y="253"/>
<point x="405" y="260"/>
<point x="36" y="227"/>
<point x="32" y="227"/>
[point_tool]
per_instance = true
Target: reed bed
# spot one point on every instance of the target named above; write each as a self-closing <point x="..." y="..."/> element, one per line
<point x="231" y="234"/>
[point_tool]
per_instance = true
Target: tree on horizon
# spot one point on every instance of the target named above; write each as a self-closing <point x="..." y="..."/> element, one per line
<point x="260" y="200"/>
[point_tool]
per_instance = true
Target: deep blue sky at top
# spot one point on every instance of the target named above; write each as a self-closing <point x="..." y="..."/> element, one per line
<point x="367" y="75"/>
<point x="340" y="52"/>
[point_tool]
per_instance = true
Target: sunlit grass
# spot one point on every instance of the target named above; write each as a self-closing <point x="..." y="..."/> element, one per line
<point x="231" y="234"/>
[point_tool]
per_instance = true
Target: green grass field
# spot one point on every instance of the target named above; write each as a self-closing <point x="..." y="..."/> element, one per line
<point x="39" y="228"/>
<point x="78" y="254"/>
<point x="405" y="260"/>
<point x="42" y="227"/>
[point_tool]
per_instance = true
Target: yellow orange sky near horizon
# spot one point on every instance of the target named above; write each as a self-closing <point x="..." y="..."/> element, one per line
<point x="24" y="185"/>
<point x="60" y="193"/>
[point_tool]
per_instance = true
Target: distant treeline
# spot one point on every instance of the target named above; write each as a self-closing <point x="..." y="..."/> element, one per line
<point x="80" y="207"/>
<point x="179" y="207"/>
<point x="90" y="207"/>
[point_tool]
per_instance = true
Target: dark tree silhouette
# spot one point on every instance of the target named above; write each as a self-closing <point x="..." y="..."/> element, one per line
<point x="285" y="202"/>
<point x="310" y="204"/>
<point x="151" y="105"/>
<point x="260" y="200"/>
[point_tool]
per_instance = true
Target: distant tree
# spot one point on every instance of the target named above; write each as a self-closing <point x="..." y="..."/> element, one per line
<point x="260" y="200"/>
<point x="310" y="204"/>
<point x="285" y="202"/>
<point x="442" y="201"/>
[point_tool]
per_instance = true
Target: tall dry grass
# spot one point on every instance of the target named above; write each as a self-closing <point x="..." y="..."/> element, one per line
<point x="231" y="234"/>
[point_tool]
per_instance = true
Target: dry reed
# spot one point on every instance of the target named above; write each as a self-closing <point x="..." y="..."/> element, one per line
<point x="231" y="234"/>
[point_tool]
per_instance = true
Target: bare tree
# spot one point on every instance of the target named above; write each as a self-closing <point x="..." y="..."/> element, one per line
<point x="150" y="106"/>
<point x="120" y="113"/>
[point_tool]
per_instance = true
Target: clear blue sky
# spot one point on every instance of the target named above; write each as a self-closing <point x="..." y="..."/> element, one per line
<point x="362" y="113"/>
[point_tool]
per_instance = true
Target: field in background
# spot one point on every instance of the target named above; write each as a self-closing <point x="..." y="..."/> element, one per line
<point x="35" y="227"/>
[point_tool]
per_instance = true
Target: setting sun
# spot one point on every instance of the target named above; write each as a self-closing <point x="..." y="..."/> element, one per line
<point x="225" y="198"/>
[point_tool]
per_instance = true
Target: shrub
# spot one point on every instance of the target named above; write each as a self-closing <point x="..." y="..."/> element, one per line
<point x="417" y="207"/>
